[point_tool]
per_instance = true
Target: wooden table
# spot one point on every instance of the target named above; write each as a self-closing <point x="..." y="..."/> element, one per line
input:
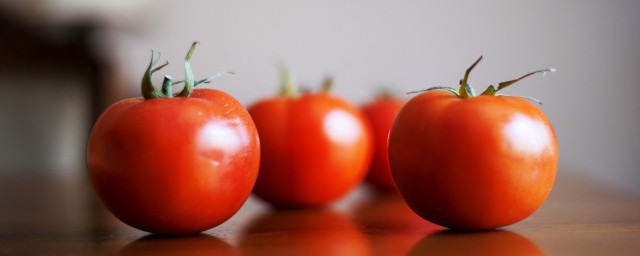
<point x="49" y="216"/>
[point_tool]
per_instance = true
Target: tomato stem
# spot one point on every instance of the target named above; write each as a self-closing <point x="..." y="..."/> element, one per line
<point x="441" y="88"/>
<point x="148" y="90"/>
<point x="206" y="80"/>
<point x="466" y="90"/>
<point x="492" y="90"/>
<point x="289" y="89"/>
<point x="385" y="93"/>
<point x="166" y="86"/>
<point x="327" y="84"/>
<point x="189" y="82"/>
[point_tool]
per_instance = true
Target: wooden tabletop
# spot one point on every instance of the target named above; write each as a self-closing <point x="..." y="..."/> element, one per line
<point x="53" y="216"/>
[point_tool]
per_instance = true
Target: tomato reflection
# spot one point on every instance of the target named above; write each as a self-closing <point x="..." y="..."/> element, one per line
<point x="178" y="245"/>
<point x="303" y="232"/>
<point x="495" y="242"/>
<point x="390" y="225"/>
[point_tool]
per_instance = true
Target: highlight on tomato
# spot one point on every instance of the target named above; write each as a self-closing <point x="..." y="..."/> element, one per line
<point x="468" y="161"/>
<point x="380" y="113"/>
<point x="315" y="147"/>
<point x="174" y="163"/>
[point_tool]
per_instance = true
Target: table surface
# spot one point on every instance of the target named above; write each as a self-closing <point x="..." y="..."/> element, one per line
<point x="52" y="216"/>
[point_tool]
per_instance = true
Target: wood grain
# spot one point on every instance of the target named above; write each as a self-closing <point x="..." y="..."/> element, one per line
<point x="47" y="216"/>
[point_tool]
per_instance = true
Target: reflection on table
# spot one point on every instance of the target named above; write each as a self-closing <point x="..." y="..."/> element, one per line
<point x="49" y="216"/>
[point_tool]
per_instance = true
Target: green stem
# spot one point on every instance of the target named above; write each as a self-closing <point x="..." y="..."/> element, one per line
<point x="327" y="84"/>
<point x="189" y="82"/>
<point x="147" y="88"/>
<point x="166" y="86"/>
<point x="206" y="80"/>
<point x="441" y="88"/>
<point x="491" y="90"/>
<point x="150" y="92"/>
<point x="289" y="89"/>
<point x="385" y="93"/>
<point x="465" y="89"/>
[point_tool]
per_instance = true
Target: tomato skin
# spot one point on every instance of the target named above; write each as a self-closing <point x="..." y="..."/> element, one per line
<point x="475" y="163"/>
<point x="315" y="149"/>
<point x="380" y="114"/>
<point x="177" y="165"/>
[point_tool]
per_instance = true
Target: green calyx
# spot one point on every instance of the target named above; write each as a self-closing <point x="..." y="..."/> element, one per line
<point x="386" y="92"/>
<point x="466" y="91"/>
<point x="150" y="92"/>
<point x="290" y="89"/>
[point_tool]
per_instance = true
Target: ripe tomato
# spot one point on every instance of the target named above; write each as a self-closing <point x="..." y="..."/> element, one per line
<point x="380" y="114"/>
<point x="315" y="148"/>
<point x="470" y="162"/>
<point x="174" y="165"/>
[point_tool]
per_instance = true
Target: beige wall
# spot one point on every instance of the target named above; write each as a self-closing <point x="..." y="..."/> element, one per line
<point x="416" y="44"/>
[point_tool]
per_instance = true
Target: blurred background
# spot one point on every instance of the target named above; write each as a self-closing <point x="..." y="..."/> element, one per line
<point x="63" y="61"/>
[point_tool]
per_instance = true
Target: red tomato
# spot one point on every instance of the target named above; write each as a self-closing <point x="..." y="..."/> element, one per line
<point x="380" y="114"/>
<point x="315" y="148"/>
<point x="470" y="162"/>
<point x="174" y="165"/>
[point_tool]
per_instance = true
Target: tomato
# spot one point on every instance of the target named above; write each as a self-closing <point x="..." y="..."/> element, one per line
<point x="174" y="165"/>
<point x="315" y="148"/>
<point x="380" y="114"/>
<point x="473" y="162"/>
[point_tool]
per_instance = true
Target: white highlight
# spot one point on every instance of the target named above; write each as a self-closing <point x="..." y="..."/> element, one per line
<point x="341" y="126"/>
<point x="527" y="135"/>
<point x="222" y="135"/>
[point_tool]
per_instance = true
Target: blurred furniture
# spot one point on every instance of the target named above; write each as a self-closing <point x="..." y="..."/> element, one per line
<point x="29" y="46"/>
<point x="55" y="78"/>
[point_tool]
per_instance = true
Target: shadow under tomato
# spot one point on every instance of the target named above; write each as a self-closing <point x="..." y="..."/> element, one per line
<point x="200" y="244"/>
<point x="303" y="232"/>
<point x="389" y="224"/>
<point x="492" y="242"/>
